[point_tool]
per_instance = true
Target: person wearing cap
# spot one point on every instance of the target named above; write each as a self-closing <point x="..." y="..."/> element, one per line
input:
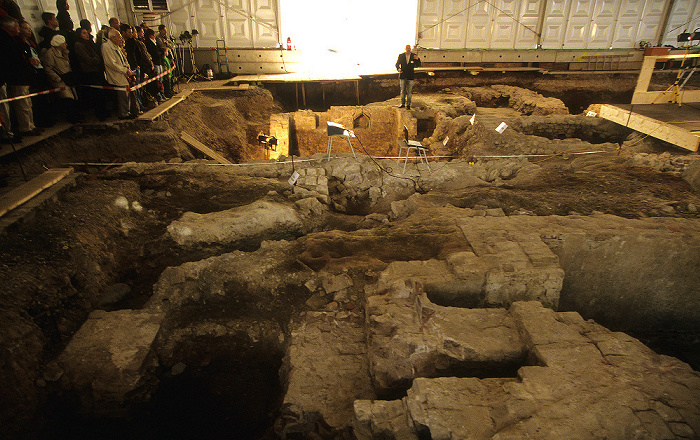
<point x="57" y="66"/>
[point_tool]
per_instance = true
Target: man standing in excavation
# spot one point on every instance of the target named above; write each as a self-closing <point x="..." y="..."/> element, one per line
<point x="405" y="64"/>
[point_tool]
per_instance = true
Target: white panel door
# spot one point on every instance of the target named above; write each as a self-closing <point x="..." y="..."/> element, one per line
<point x="650" y="22"/>
<point x="207" y="21"/>
<point x="238" y="30"/>
<point x="429" y="27"/>
<point x="179" y="19"/>
<point x="478" y="25"/>
<point x="455" y="24"/>
<point x="554" y="29"/>
<point x="580" y="24"/>
<point x="628" y="24"/>
<point x="605" y="16"/>
<point x="264" y="18"/>
<point x="505" y="27"/>
<point x="526" y="36"/>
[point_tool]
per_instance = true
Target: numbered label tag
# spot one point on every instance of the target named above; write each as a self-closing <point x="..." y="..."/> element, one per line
<point x="502" y="127"/>
<point x="293" y="179"/>
<point x="444" y="141"/>
<point x="591" y="114"/>
<point x="473" y="118"/>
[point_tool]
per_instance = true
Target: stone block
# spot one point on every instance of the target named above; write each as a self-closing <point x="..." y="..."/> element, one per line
<point x="467" y="266"/>
<point x="540" y="325"/>
<point x="333" y="283"/>
<point x="110" y="361"/>
<point x="382" y="419"/>
<point x="327" y="366"/>
<point x="305" y="120"/>
<point x="257" y="219"/>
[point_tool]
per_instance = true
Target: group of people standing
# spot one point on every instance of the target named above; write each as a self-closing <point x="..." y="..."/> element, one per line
<point x="87" y="68"/>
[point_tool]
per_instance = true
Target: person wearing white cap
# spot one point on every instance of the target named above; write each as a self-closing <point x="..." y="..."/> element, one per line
<point x="57" y="66"/>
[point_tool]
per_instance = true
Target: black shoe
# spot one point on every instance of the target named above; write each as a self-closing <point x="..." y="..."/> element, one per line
<point x="401" y="106"/>
<point x="15" y="139"/>
<point x="408" y="107"/>
<point x="34" y="132"/>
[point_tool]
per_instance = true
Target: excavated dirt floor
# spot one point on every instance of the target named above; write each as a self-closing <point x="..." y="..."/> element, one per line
<point x="104" y="243"/>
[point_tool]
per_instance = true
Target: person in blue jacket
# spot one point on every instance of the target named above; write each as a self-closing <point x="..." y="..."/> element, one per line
<point x="405" y="64"/>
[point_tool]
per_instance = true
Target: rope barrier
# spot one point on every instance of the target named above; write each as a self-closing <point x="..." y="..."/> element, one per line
<point x="97" y="164"/>
<point x="58" y="89"/>
<point x="43" y="92"/>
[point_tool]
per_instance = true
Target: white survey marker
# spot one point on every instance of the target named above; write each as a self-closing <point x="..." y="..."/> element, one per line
<point x="293" y="179"/>
<point x="502" y="127"/>
<point x="473" y="118"/>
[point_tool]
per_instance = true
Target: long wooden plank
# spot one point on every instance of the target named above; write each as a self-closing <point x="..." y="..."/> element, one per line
<point x="659" y="97"/>
<point x="31" y="140"/>
<point x="653" y="127"/>
<point x="159" y="110"/>
<point x="26" y="191"/>
<point x="203" y="148"/>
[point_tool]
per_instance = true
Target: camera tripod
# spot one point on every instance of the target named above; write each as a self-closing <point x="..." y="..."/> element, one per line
<point x="187" y="44"/>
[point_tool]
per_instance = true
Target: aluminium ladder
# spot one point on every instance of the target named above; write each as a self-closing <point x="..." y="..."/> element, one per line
<point x="222" y="57"/>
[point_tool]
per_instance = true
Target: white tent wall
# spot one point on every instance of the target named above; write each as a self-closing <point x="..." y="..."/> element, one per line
<point x="441" y="24"/>
<point x="564" y="24"/>
<point x="240" y="23"/>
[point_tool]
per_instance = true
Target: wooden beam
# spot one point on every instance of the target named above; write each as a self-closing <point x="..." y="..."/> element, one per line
<point x="159" y="110"/>
<point x="644" y="77"/>
<point x="203" y="148"/>
<point x="26" y="191"/>
<point x="661" y="97"/>
<point x="652" y="127"/>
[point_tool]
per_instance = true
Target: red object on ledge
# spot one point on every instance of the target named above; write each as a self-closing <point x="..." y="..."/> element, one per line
<point x="649" y="51"/>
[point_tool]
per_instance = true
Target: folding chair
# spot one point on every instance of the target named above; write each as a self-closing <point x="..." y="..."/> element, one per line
<point x="409" y="145"/>
<point x="335" y="129"/>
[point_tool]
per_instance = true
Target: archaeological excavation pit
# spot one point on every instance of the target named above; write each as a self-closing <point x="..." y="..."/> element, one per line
<point x="160" y="294"/>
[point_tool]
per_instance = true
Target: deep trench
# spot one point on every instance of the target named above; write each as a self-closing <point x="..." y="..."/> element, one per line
<point x="236" y="393"/>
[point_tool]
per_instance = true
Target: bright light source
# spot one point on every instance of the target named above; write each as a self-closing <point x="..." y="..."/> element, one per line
<point x="344" y="36"/>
